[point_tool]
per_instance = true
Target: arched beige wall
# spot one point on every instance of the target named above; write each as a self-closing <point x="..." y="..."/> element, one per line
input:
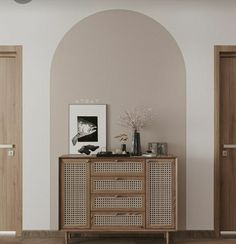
<point x="124" y="59"/>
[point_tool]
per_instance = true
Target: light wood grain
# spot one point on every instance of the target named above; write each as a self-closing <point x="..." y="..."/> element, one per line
<point x="115" y="219"/>
<point x="11" y="133"/>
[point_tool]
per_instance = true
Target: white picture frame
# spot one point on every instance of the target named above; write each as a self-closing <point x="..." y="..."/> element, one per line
<point x="87" y="128"/>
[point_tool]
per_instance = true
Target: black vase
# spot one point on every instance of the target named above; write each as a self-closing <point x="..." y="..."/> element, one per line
<point x="123" y="148"/>
<point x="136" y="144"/>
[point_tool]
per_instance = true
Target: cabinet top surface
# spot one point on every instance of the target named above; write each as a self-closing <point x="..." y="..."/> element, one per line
<point x="78" y="156"/>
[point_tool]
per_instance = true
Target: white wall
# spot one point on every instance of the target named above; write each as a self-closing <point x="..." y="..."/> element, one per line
<point x="39" y="26"/>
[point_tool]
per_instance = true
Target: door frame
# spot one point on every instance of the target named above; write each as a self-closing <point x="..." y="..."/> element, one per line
<point x="218" y="49"/>
<point x="17" y="51"/>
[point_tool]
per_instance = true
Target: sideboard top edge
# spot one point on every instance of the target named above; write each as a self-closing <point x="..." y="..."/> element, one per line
<point x="78" y="156"/>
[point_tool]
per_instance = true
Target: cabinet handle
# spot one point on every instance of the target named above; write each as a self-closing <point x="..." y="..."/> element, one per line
<point x="117" y="178"/>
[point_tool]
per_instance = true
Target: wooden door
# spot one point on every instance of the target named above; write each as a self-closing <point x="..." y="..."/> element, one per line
<point x="228" y="141"/>
<point x="10" y="139"/>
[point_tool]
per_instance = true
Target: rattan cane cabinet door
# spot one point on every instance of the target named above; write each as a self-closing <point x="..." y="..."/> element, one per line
<point x="161" y="193"/>
<point x="74" y="193"/>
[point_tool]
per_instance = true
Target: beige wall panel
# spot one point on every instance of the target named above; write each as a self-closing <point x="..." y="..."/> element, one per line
<point x="126" y="60"/>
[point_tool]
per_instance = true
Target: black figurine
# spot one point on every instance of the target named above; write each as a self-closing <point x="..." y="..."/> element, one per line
<point x="87" y="149"/>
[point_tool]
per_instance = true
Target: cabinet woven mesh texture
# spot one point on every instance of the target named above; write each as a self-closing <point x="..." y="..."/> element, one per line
<point x="125" y="185"/>
<point x="135" y="202"/>
<point x="160" y="178"/>
<point x="132" y="220"/>
<point x="118" y="167"/>
<point x="75" y="177"/>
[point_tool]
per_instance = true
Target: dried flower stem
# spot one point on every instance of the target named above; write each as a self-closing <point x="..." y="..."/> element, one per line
<point x="136" y="119"/>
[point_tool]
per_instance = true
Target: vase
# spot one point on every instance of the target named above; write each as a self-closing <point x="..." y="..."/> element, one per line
<point x="123" y="148"/>
<point x="136" y="144"/>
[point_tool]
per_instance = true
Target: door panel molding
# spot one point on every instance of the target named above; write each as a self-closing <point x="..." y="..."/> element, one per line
<point x="219" y="50"/>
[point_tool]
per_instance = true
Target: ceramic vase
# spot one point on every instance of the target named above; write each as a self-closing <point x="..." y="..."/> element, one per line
<point x="136" y="144"/>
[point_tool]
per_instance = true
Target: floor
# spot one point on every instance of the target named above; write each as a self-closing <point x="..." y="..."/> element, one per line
<point x="109" y="241"/>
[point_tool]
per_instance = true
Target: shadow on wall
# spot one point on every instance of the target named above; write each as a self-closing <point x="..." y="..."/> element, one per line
<point x="124" y="59"/>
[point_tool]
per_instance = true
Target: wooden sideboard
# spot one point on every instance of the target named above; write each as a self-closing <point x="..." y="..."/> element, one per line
<point x="126" y="194"/>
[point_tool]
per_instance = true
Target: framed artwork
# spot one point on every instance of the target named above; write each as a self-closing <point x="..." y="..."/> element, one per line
<point x="87" y="128"/>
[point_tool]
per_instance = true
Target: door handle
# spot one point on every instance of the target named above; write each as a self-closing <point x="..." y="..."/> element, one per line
<point x="6" y="146"/>
<point x="229" y="146"/>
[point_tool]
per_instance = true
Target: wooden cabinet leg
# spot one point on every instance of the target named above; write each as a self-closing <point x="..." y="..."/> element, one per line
<point x="66" y="237"/>
<point x="167" y="237"/>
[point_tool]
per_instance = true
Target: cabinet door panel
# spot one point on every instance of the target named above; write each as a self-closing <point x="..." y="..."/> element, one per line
<point x="74" y="194"/>
<point x="161" y="194"/>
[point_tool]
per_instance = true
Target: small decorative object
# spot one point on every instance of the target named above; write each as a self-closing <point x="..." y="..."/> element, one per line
<point x="158" y="148"/>
<point x="163" y="148"/>
<point x="123" y="139"/>
<point x="104" y="154"/>
<point x="149" y="154"/>
<point x="152" y="147"/>
<point x="123" y="148"/>
<point x="87" y="128"/>
<point x="136" y="144"/>
<point x="136" y="120"/>
<point x="87" y="149"/>
<point x="112" y="154"/>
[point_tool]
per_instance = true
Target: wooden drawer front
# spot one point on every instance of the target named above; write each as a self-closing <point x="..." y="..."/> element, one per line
<point x="161" y="194"/>
<point x="118" y="220"/>
<point x="118" y="185"/>
<point x="115" y="202"/>
<point x="118" y="167"/>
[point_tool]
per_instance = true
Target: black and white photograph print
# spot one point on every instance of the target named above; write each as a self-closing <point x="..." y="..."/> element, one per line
<point x="87" y="129"/>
